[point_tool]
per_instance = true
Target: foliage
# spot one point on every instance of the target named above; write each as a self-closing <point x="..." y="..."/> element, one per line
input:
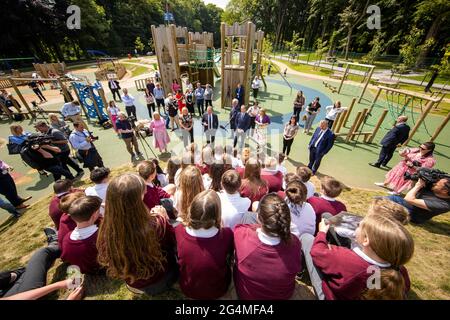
<point x="411" y="48"/>
<point x="138" y="45"/>
<point x="378" y="47"/>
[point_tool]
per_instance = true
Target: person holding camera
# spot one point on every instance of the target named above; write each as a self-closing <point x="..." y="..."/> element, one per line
<point x="82" y="140"/>
<point x="426" y="200"/>
<point x="125" y="130"/>
<point x="413" y="159"/>
<point x="60" y="140"/>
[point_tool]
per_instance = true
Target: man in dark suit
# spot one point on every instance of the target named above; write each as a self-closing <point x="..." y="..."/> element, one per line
<point x="396" y="136"/>
<point x="114" y="86"/>
<point x="240" y="94"/>
<point x="242" y="121"/>
<point x="210" y="124"/>
<point x="321" y="142"/>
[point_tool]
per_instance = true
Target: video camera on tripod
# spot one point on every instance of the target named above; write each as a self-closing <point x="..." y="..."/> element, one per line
<point x="35" y="141"/>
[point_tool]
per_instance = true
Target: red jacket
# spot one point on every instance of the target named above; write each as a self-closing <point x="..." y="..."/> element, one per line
<point x="345" y="273"/>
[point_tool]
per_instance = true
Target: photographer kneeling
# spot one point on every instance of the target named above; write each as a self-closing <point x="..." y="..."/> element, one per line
<point x="125" y="127"/>
<point x="60" y="140"/>
<point x="428" y="198"/>
<point x="39" y="154"/>
<point x="82" y="140"/>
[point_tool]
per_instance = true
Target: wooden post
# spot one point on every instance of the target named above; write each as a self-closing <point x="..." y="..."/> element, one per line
<point x="248" y="60"/>
<point x="222" y="60"/>
<point x="173" y="33"/>
<point x="441" y="126"/>
<point x="366" y="84"/>
<point x="343" y="115"/>
<point x="374" y="100"/>
<point x="335" y="123"/>
<point x="64" y="89"/>
<point x="91" y="94"/>
<point x="101" y="92"/>
<point x="349" y="111"/>
<point x="343" y="78"/>
<point x="6" y="110"/>
<point x="358" y="125"/>
<point x="378" y="125"/>
<point x="428" y="108"/>
<point x="352" y="129"/>
<point x="19" y="94"/>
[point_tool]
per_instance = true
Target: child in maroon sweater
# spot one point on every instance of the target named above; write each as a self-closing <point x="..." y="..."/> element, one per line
<point x="267" y="256"/>
<point x="372" y="270"/>
<point x="66" y="224"/>
<point x="327" y="203"/>
<point x="272" y="176"/>
<point x="79" y="247"/>
<point x="61" y="188"/>
<point x="154" y="194"/>
<point x="204" y="249"/>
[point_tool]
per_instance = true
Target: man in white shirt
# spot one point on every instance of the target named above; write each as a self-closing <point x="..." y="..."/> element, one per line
<point x="332" y="112"/>
<point x="233" y="205"/>
<point x="128" y="100"/>
<point x="72" y="111"/>
<point x="99" y="176"/>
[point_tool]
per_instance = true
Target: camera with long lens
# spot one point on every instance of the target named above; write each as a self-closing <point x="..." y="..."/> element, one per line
<point x="132" y="120"/>
<point x="429" y="176"/>
<point x="35" y="141"/>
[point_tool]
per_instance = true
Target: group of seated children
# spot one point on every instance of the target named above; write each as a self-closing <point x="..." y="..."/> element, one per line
<point x="230" y="231"/>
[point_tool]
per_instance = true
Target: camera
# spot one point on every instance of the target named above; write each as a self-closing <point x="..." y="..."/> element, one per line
<point x="430" y="176"/>
<point x="35" y="141"/>
<point x="132" y="120"/>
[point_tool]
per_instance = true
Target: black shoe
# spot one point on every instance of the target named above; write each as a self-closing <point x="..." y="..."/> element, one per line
<point x="79" y="174"/>
<point x="376" y="165"/>
<point x="52" y="235"/>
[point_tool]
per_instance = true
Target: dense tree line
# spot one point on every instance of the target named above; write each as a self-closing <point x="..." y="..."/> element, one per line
<point x="38" y="27"/>
<point x="342" y="24"/>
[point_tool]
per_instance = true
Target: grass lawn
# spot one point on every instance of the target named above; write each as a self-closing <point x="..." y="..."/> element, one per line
<point x="428" y="269"/>
<point x="136" y="70"/>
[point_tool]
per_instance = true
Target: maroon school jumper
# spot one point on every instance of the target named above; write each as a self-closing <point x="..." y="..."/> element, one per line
<point x="321" y="205"/>
<point x="241" y="171"/>
<point x="166" y="236"/>
<point x="345" y="273"/>
<point x="274" y="180"/>
<point x="264" y="272"/>
<point x="53" y="210"/>
<point x="204" y="270"/>
<point x="153" y="195"/>
<point x="246" y="193"/>
<point x="81" y="253"/>
<point x="66" y="226"/>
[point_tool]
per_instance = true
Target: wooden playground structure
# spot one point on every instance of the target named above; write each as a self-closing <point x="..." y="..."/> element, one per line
<point x="183" y="54"/>
<point x="241" y="57"/>
<point x="344" y="76"/>
<point x="109" y="68"/>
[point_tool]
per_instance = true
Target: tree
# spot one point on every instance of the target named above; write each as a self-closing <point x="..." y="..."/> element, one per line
<point x="411" y="48"/>
<point x="378" y="47"/>
<point x="350" y="18"/>
<point x="138" y="45"/>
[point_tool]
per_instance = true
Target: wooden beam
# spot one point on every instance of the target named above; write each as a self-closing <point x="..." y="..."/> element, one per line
<point x="366" y="84"/>
<point x="335" y="123"/>
<point x="427" y="110"/>
<point x="222" y="64"/>
<point x="19" y="94"/>
<point x="408" y="93"/>
<point x="441" y="127"/>
<point x="6" y="110"/>
<point x="378" y="125"/>
<point x="375" y="99"/>
<point x="352" y="129"/>
<point x="358" y="125"/>
<point x="348" y="112"/>
<point x="64" y="89"/>
<point x="343" y="77"/>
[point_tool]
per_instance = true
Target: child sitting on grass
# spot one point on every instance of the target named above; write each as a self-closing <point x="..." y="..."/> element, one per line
<point x="61" y="188"/>
<point x="66" y="223"/>
<point x="302" y="213"/>
<point x="79" y="246"/>
<point x="338" y="273"/>
<point x="204" y="249"/>
<point x="305" y="175"/>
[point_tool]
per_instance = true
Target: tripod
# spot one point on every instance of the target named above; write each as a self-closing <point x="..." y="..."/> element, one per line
<point x="144" y="142"/>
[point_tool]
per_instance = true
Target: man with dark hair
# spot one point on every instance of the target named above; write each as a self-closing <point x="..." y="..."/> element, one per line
<point x="99" y="176"/>
<point x="423" y="203"/>
<point x="114" y="86"/>
<point x="242" y="121"/>
<point x="396" y="136"/>
<point x="210" y="123"/>
<point x="82" y="140"/>
<point x="60" y="140"/>
<point x="60" y="188"/>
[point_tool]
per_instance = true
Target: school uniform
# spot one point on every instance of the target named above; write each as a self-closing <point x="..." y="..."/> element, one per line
<point x="66" y="226"/>
<point x="345" y="272"/>
<point x="265" y="267"/>
<point x="205" y="272"/>
<point x="245" y="191"/>
<point x="53" y="209"/>
<point x="233" y="208"/>
<point x="153" y="196"/>
<point x="273" y="178"/>
<point x="79" y="248"/>
<point x="325" y="204"/>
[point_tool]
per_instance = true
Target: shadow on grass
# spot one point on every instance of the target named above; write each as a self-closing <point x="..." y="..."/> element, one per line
<point x="7" y="224"/>
<point x="435" y="227"/>
<point x="412" y="295"/>
<point x="43" y="183"/>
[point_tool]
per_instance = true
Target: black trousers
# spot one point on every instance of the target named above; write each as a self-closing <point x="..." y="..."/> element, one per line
<point x="190" y="107"/>
<point x="35" y="275"/>
<point x="255" y="93"/>
<point x="114" y="92"/>
<point x="151" y="108"/>
<point x="330" y="123"/>
<point x="67" y="161"/>
<point x="91" y="158"/>
<point x="297" y="114"/>
<point x="131" y="110"/>
<point x="201" y="107"/>
<point x="159" y="104"/>
<point x="314" y="159"/>
<point x="386" y="154"/>
<point x="58" y="170"/>
<point x="39" y="94"/>
<point x="287" y="146"/>
<point x="9" y="190"/>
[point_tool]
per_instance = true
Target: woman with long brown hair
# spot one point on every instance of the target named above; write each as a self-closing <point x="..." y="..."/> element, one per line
<point x="267" y="255"/>
<point x="211" y="180"/>
<point x="135" y="244"/>
<point x="253" y="187"/>
<point x="191" y="184"/>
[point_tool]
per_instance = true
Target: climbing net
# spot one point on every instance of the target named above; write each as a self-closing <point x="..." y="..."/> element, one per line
<point x="202" y="59"/>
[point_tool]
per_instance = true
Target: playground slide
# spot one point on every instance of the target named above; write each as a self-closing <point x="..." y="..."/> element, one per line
<point x="85" y="97"/>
